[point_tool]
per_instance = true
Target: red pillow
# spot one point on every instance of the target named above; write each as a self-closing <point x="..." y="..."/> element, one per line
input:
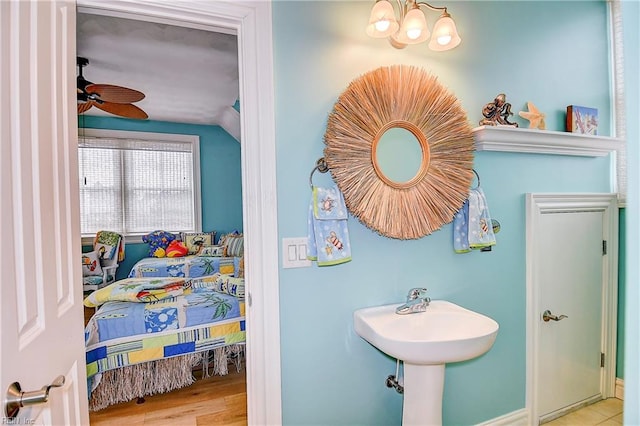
<point x="176" y="249"/>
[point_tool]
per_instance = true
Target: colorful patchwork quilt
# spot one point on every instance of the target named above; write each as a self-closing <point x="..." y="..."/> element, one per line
<point x="204" y="314"/>
<point x="188" y="266"/>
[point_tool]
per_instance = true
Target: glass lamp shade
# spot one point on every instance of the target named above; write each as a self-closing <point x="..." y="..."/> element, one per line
<point x="414" y="28"/>
<point x="382" y="22"/>
<point x="445" y="35"/>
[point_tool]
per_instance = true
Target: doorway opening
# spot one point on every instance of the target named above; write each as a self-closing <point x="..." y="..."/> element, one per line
<point x="252" y="23"/>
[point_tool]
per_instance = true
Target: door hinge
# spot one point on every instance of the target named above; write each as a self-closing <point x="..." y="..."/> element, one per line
<point x="601" y="359"/>
<point x="604" y="247"/>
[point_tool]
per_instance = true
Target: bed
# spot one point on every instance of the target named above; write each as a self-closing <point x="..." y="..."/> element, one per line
<point x="188" y="266"/>
<point x="149" y="332"/>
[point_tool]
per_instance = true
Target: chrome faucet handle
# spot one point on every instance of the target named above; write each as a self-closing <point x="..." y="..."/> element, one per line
<point x="417" y="293"/>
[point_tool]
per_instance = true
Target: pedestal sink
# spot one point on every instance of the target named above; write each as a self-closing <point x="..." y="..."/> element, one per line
<point x="425" y="342"/>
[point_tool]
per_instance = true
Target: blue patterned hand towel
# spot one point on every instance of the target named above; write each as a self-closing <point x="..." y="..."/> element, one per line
<point x="328" y="233"/>
<point x="461" y="229"/>
<point x="472" y="228"/>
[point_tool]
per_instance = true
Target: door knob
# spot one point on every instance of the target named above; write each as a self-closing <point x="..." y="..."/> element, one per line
<point x="17" y="399"/>
<point x="547" y="315"/>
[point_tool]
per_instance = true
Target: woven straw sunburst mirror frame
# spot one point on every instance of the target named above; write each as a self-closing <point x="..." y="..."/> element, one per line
<point x="410" y="98"/>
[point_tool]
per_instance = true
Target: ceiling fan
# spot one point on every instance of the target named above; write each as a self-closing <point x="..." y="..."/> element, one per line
<point x="107" y="97"/>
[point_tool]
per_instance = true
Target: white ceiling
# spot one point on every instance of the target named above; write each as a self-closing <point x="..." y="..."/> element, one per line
<point x="188" y="75"/>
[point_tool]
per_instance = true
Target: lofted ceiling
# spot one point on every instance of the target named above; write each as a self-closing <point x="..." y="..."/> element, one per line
<point x="187" y="75"/>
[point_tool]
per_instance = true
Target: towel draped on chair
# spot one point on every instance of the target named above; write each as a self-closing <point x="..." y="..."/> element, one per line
<point x="109" y="243"/>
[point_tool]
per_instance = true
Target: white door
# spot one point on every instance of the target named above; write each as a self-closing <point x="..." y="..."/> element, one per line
<point x="570" y="272"/>
<point x="41" y="296"/>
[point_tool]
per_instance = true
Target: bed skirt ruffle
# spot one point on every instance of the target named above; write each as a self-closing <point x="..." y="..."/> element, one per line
<point x="163" y="375"/>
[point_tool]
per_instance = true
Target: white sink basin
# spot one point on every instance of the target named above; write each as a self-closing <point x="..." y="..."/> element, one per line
<point x="425" y="342"/>
<point x="444" y="333"/>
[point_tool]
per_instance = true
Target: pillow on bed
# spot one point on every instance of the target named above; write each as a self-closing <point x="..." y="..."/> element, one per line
<point x="158" y="242"/>
<point x="240" y="273"/>
<point x="233" y="244"/>
<point x="211" y="251"/>
<point x="176" y="248"/>
<point x="221" y="283"/>
<point x="195" y="241"/>
<point x="91" y="264"/>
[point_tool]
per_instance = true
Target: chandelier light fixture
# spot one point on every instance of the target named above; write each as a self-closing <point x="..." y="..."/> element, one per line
<point x="412" y="26"/>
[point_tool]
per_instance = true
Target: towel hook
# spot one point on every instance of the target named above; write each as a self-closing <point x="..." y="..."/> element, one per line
<point x="321" y="166"/>
<point x="477" y="177"/>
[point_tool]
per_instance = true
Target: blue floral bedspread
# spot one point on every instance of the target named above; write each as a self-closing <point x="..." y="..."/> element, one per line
<point x="188" y="266"/>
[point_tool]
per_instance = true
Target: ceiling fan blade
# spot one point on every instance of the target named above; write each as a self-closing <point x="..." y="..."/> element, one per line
<point x="85" y="106"/>
<point x="115" y="94"/>
<point x="123" y="110"/>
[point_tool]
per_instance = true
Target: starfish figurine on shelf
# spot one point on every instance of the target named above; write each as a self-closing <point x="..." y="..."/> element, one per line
<point x="535" y="117"/>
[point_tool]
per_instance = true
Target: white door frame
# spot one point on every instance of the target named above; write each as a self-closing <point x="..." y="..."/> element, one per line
<point x="536" y="205"/>
<point x="251" y="21"/>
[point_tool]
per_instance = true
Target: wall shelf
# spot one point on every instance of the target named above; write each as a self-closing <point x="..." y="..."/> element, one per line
<point x="512" y="139"/>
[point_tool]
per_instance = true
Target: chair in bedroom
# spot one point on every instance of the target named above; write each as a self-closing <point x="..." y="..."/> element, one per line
<point x="99" y="266"/>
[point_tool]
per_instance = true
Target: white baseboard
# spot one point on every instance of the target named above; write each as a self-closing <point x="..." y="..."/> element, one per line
<point x="619" y="388"/>
<point x="515" y="418"/>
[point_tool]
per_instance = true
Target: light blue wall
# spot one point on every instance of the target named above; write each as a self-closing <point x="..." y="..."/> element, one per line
<point x="550" y="53"/>
<point x="220" y="171"/>
<point x="631" y="26"/>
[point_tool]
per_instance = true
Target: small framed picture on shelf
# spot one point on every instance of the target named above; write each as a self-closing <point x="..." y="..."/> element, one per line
<point x="582" y="120"/>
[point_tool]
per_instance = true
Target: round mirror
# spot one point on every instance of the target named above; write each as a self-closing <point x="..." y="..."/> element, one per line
<point x="399" y="191"/>
<point x="400" y="154"/>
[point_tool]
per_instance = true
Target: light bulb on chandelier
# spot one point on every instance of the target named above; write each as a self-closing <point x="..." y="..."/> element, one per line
<point x="412" y="26"/>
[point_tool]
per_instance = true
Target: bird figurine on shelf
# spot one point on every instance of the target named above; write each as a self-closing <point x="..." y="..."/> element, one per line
<point x="535" y="117"/>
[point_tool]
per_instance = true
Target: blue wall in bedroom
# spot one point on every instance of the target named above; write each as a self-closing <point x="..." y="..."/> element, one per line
<point x="550" y="53"/>
<point x="220" y="169"/>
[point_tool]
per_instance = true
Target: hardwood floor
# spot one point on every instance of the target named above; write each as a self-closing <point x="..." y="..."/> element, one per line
<point x="217" y="400"/>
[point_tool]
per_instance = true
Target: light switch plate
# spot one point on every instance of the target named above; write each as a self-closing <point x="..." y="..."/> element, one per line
<point x="294" y="252"/>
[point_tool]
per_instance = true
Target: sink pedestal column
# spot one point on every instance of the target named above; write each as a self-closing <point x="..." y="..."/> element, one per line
<point x="423" y="389"/>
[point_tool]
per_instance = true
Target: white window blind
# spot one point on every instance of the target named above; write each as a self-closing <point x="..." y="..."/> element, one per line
<point x="135" y="183"/>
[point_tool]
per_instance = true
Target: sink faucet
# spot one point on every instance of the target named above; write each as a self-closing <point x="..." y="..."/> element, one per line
<point x="417" y="301"/>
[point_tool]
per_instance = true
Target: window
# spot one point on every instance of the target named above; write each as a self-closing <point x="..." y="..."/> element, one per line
<point x="135" y="183"/>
